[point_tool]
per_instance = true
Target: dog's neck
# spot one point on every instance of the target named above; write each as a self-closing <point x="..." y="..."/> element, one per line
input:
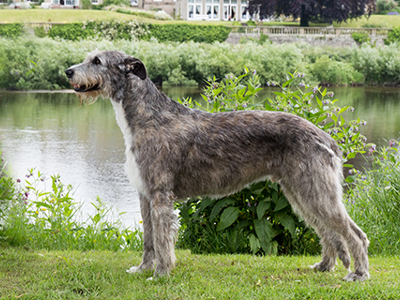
<point x="147" y="106"/>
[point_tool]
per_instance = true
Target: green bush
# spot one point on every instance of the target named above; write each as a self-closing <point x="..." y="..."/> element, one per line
<point x="11" y="30"/>
<point x="86" y="4"/>
<point x="6" y="190"/>
<point x="111" y="30"/>
<point x="374" y="202"/>
<point x="385" y="6"/>
<point x="259" y="219"/>
<point x="377" y="64"/>
<point x="393" y="36"/>
<point x="131" y="30"/>
<point x="46" y="219"/>
<point x="328" y="71"/>
<point x="188" y="32"/>
<point x="186" y="63"/>
<point x="40" y="32"/>
<point x="360" y="37"/>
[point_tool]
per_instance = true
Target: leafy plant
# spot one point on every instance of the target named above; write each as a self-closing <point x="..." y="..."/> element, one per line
<point x="393" y="36"/>
<point x="40" y="32"/>
<point x="11" y="30"/>
<point x="48" y="219"/>
<point x="384" y="6"/>
<point x="259" y="219"/>
<point x="360" y="37"/>
<point x="329" y="71"/>
<point x="6" y="190"/>
<point x="374" y="201"/>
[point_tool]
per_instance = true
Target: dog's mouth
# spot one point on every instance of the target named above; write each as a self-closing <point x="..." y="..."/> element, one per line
<point x="84" y="88"/>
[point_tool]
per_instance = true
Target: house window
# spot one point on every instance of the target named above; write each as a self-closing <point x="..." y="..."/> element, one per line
<point x="96" y="2"/>
<point x="64" y="2"/>
<point x="212" y="9"/>
<point x="245" y="10"/>
<point x="194" y="8"/>
<point x="133" y="2"/>
<point x="230" y="9"/>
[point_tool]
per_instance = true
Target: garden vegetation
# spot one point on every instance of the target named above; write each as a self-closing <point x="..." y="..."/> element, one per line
<point x="174" y="63"/>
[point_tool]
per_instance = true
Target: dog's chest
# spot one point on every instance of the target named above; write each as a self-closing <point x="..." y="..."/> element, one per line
<point x="131" y="165"/>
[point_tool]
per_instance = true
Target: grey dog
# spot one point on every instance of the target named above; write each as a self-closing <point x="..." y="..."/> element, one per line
<point x="174" y="152"/>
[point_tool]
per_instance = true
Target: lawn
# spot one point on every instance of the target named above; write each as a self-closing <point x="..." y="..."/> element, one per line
<point x="28" y="274"/>
<point x="74" y="15"/>
<point x="80" y="15"/>
<point x="383" y="21"/>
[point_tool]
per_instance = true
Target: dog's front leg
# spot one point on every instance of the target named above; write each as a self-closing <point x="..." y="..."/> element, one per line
<point x="148" y="245"/>
<point x="165" y="228"/>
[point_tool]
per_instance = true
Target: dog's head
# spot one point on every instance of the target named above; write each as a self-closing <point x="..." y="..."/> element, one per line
<point x="105" y="74"/>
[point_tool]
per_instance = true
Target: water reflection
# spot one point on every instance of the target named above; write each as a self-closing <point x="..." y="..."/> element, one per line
<point x="84" y="145"/>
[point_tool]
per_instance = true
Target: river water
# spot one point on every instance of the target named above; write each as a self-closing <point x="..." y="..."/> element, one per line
<point x="49" y="131"/>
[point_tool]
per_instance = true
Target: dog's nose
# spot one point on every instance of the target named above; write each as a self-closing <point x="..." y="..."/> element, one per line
<point x="69" y="73"/>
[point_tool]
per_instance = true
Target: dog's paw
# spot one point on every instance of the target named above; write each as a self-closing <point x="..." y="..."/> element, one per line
<point x="322" y="267"/>
<point x="133" y="270"/>
<point x="356" y="277"/>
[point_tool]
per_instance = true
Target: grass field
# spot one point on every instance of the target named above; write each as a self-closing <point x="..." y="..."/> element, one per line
<point x="383" y="21"/>
<point x="101" y="275"/>
<point x="73" y="15"/>
<point x="80" y="15"/>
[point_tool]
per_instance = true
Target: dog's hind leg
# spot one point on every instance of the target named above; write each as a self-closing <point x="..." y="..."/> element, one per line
<point x="333" y="245"/>
<point x="165" y="228"/>
<point x="148" y="239"/>
<point x="322" y="208"/>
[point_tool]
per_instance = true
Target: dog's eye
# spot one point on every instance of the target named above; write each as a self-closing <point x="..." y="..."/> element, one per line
<point x="96" y="61"/>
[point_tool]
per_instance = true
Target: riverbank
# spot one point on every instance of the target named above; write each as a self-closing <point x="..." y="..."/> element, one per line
<point x="26" y="274"/>
<point x="189" y="63"/>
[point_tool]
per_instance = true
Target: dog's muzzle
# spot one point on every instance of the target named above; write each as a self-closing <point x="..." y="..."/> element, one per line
<point x="80" y="88"/>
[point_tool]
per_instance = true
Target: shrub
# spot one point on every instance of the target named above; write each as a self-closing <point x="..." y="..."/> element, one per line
<point x="159" y="15"/>
<point x="11" y="30"/>
<point x="328" y="71"/>
<point x="116" y="2"/>
<point x="86" y="4"/>
<point x="6" y="190"/>
<point x="40" y="32"/>
<point x="384" y="6"/>
<point x="46" y="219"/>
<point x="111" y="30"/>
<point x="360" y="37"/>
<point x="189" y="32"/>
<point x="377" y="64"/>
<point x="374" y="202"/>
<point x="393" y="36"/>
<point x="259" y="219"/>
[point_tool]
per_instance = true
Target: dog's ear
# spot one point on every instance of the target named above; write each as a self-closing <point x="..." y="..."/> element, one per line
<point x="134" y="66"/>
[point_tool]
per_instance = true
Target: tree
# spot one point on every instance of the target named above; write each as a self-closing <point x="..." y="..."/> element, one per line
<point x="313" y="10"/>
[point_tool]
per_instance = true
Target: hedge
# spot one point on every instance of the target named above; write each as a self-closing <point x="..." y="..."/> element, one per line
<point x="189" y="32"/>
<point x="11" y="30"/>
<point x="141" y="31"/>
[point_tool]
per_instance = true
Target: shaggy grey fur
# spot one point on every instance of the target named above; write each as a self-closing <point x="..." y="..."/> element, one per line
<point x="174" y="152"/>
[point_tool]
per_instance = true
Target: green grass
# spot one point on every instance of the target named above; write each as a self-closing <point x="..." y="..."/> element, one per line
<point x="78" y="15"/>
<point x="383" y="21"/>
<point x="101" y="275"/>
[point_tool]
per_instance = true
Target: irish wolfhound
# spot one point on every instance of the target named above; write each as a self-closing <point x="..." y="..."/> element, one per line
<point x="174" y="152"/>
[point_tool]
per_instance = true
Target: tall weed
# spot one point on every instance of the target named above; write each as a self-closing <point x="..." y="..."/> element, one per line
<point x="374" y="202"/>
<point x="41" y="218"/>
